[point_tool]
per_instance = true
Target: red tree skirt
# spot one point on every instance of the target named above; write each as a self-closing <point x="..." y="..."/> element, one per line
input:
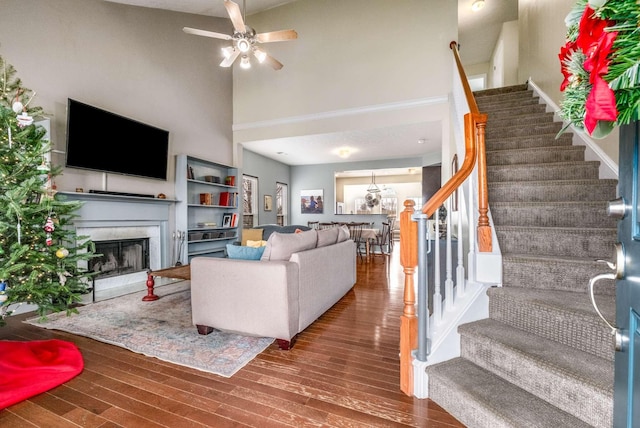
<point x="30" y="368"/>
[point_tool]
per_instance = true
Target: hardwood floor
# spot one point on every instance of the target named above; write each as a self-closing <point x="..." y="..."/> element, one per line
<point x="342" y="372"/>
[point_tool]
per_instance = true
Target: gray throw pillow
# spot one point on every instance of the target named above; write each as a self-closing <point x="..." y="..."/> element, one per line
<point x="280" y="246"/>
<point x="327" y="236"/>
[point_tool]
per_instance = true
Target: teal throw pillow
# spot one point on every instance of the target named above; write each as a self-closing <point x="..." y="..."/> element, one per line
<point x="244" y="252"/>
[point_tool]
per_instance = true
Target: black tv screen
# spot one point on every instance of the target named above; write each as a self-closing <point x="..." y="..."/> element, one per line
<point x="103" y="141"/>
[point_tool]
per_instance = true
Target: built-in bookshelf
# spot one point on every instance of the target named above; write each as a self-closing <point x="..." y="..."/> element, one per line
<point x="207" y="214"/>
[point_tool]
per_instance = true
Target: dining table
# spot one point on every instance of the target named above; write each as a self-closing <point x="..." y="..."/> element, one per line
<point x="369" y="235"/>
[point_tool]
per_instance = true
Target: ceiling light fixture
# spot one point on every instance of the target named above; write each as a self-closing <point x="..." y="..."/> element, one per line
<point x="344" y="153"/>
<point x="422" y="141"/>
<point x="244" y="62"/>
<point x="477" y="5"/>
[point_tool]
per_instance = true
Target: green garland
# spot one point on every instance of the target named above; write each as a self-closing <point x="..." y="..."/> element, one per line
<point x="623" y="75"/>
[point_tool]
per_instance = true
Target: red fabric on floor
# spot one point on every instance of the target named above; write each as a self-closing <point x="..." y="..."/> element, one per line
<point x="32" y="367"/>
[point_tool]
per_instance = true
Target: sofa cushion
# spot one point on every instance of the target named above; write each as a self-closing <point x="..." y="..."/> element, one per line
<point x="244" y="252"/>
<point x="256" y="244"/>
<point x="343" y="233"/>
<point x="280" y="246"/>
<point x="327" y="236"/>
<point x="251" y="234"/>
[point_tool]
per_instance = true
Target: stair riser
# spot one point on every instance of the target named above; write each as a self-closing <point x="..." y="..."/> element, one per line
<point x="586" y="333"/>
<point x="546" y="155"/>
<point x="539" y="172"/>
<point x="497" y="91"/>
<point x="488" y="107"/>
<point x="493" y="133"/>
<point x="575" y="215"/>
<point x="558" y="191"/>
<point x="553" y="275"/>
<point x="506" y="97"/>
<point x="508" y="113"/>
<point x="565" y="393"/>
<point x="591" y="243"/>
<point x="528" y="142"/>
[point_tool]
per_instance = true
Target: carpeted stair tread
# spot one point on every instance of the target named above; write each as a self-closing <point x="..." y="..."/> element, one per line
<point x="514" y="111"/>
<point x="536" y="155"/>
<point x="527" y="142"/>
<point x="557" y="241"/>
<point x="497" y="132"/>
<point x="543" y="367"/>
<point x="558" y="190"/>
<point x="502" y="90"/>
<point x="561" y="316"/>
<point x="479" y="399"/>
<point x="496" y="122"/>
<point x="552" y="214"/>
<point x="543" y="171"/>
<point x="555" y="273"/>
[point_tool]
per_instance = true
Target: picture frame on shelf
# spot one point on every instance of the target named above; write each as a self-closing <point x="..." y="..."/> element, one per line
<point x="268" y="202"/>
<point x="226" y="220"/>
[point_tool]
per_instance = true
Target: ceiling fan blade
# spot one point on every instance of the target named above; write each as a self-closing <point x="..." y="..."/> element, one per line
<point x="274" y="63"/>
<point x="206" y="33"/>
<point x="227" y="62"/>
<point x="236" y="16"/>
<point x="277" y="36"/>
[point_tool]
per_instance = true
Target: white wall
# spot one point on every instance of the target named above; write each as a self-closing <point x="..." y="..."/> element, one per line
<point x="505" y="56"/>
<point x="350" y="56"/>
<point x="133" y="61"/>
<point x="542" y="32"/>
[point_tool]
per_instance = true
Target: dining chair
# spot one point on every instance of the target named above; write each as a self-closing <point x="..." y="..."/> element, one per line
<point x="313" y="224"/>
<point x="383" y="240"/>
<point x="325" y="225"/>
<point x="355" y="232"/>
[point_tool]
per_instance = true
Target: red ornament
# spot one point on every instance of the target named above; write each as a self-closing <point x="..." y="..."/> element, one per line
<point x="48" y="226"/>
<point x="49" y="240"/>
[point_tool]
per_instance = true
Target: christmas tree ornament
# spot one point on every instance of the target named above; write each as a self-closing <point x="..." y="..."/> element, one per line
<point x="24" y="119"/>
<point x="48" y="225"/>
<point x="62" y="252"/>
<point x="49" y="240"/>
<point x="17" y="107"/>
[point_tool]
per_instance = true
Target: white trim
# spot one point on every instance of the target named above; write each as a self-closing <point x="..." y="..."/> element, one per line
<point x="608" y="167"/>
<point x="422" y="102"/>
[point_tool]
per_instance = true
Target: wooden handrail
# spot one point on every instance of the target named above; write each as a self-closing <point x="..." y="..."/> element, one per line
<point x="468" y="93"/>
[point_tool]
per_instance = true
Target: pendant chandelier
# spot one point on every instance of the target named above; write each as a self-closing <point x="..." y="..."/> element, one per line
<point x="373" y="193"/>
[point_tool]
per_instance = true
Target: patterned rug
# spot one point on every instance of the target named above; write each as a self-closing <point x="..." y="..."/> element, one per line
<point x="161" y="329"/>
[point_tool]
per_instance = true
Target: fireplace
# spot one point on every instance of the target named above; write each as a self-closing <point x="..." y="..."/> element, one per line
<point x="120" y="257"/>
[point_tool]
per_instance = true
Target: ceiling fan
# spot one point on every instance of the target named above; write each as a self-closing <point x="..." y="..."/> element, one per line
<point x="245" y="40"/>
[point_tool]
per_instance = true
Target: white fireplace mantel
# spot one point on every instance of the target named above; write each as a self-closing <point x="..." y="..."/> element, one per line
<point x="105" y="210"/>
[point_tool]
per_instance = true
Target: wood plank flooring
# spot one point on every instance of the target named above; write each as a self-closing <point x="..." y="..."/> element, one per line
<point x="342" y="372"/>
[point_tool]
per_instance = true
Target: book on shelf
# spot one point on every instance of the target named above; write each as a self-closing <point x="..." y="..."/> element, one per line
<point x="224" y="199"/>
<point x="205" y="199"/>
<point x="234" y="220"/>
<point x="189" y="172"/>
<point x="207" y="224"/>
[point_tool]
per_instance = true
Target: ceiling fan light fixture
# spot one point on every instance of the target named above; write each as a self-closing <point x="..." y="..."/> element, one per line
<point x="260" y="55"/>
<point x="243" y="45"/>
<point x="477" y="5"/>
<point x="244" y="62"/>
<point x="227" y="51"/>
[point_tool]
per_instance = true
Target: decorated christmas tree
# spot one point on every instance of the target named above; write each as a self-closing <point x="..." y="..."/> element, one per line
<point x="40" y="254"/>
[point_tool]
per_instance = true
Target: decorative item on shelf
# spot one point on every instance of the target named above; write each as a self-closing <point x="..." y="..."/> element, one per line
<point x="230" y="180"/>
<point x="600" y="65"/>
<point x="226" y="219"/>
<point x="211" y="179"/>
<point x="205" y="198"/>
<point x="190" y="175"/>
<point x="162" y="196"/>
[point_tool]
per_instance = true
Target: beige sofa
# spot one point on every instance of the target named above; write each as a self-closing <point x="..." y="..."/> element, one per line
<point x="299" y="277"/>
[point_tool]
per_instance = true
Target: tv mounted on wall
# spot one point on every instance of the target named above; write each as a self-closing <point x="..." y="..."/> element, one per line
<point x="103" y="141"/>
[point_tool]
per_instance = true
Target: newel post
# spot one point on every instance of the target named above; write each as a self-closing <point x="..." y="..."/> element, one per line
<point x="408" y="319"/>
<point x="485" y="244"/>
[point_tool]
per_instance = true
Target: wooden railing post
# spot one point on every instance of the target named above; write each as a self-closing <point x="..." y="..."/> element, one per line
<point x="484" y="228"/>
<point x="408" y="319"/>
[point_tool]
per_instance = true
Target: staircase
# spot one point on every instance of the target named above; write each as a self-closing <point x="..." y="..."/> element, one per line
<point x="543" y="358"/>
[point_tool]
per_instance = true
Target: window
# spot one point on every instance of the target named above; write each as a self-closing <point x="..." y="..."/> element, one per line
<point x="282" y="197"/>
<point x="249" y="201"/>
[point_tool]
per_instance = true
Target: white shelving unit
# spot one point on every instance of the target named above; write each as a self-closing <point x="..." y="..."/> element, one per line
<point x="200" y="212"/>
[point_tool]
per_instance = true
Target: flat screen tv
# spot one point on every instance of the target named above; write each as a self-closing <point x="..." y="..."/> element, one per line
<point x="103" y="141"/>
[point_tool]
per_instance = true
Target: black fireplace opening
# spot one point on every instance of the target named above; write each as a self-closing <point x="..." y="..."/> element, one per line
<point x="120" y="257"/>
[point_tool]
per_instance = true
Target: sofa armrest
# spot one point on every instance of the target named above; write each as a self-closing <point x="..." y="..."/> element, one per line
<point x="258" y="298"/>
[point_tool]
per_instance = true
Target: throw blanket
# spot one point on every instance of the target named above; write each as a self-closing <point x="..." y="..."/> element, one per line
<point x="32" y="367"/>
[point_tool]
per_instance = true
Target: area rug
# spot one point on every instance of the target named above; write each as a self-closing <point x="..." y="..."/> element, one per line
<point x="162" y="329"/>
